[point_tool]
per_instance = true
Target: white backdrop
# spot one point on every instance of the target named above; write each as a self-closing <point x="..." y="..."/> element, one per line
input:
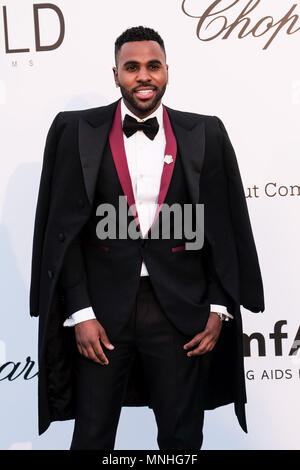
<point x="255" y="91"/>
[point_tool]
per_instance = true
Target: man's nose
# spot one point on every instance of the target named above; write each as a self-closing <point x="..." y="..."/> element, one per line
<point x="143" y="75"/>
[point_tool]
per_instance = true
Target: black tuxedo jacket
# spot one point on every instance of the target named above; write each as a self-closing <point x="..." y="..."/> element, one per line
<point x="72" y="164"/>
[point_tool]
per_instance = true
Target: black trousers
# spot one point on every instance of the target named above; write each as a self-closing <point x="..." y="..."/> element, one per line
<point x="175" y="381"/>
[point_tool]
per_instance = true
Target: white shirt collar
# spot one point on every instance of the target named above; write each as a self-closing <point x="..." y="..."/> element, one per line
<point x="158" y="113"/>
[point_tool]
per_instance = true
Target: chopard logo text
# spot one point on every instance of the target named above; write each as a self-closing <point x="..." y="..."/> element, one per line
<point x="219" y="20"/>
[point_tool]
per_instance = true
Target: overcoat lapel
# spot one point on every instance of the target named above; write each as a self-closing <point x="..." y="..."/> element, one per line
<point x="191" y="143"/>
<point x="93" y="134"/>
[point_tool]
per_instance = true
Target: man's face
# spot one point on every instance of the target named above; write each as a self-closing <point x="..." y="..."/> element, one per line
<point x="142" y="75"/>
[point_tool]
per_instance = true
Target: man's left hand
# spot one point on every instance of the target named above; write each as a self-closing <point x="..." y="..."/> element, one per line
<point x="206" y="340"/>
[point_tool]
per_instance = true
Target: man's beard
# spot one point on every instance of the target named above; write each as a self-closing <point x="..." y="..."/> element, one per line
<point x="128" y="96"/>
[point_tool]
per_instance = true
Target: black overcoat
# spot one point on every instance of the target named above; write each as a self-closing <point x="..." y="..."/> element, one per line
<point x="74" y="144"/>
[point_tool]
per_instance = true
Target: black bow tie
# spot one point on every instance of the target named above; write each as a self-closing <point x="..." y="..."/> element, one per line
<point x="131" y="125"/>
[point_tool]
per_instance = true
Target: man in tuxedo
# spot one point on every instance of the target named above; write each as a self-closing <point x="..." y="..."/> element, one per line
<point x="136" y="320"/>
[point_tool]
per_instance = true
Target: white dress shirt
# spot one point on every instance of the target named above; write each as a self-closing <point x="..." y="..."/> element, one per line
<point x="145" y="159"/>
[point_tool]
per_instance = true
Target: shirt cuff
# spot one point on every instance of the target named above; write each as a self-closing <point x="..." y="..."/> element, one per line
<point x="79" y="316"/>
<point x="220" y="309"/>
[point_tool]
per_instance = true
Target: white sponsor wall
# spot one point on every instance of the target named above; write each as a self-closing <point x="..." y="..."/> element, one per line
<point x="253" y="84"/>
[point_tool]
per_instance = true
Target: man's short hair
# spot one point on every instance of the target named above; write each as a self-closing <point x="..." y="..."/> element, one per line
<point x="138" y="33"/>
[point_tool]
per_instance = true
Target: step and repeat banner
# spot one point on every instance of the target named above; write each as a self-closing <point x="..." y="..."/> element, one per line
<point x="238" y="60"/>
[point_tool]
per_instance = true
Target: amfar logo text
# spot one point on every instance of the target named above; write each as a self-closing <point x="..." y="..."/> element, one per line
<point x="36" y="26"/>
<point x="219" y="20"/>
<point x="277" y="336"/>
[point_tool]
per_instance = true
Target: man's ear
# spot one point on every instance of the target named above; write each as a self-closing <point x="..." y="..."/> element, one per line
<point x="115" y="72"/>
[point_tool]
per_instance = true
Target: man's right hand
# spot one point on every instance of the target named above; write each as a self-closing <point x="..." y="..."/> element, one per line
<point x="88" y="333"/>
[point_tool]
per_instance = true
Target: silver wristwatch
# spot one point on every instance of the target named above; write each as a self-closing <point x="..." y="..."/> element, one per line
<point x="222" y="316"/>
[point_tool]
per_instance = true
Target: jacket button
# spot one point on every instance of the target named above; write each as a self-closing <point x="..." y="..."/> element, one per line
<point x="50" y="274"/>
<point x="61" y="237"/>
<point x="80" y="202"/>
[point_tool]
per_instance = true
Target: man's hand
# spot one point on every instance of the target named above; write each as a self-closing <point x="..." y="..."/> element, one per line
<point x="206" y="340"/>
<point x="87" y="334"/>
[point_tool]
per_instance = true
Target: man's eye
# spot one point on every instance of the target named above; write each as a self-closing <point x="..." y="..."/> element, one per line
<point x="131" y="67"/>
<point x="154" y="66"/>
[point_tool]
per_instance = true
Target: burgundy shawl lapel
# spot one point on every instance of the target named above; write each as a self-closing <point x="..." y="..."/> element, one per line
<point x="116" y="140"/>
